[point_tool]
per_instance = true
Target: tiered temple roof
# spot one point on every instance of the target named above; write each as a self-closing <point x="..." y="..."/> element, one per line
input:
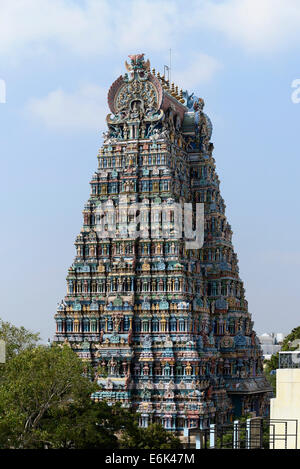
<point x="162" y="319"/>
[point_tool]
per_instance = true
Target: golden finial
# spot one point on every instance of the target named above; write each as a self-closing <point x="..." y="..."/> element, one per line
<point x="173" y="90"/>
<point x="158" y="75"/>
<point x="153" y="71"/>
<point x="181" y="97"/>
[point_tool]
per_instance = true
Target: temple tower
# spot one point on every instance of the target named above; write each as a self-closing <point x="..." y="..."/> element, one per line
<point x="162" y="318"/>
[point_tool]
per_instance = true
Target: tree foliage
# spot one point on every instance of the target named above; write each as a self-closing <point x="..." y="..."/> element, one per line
<point x="286" y="344"/>
<point x="85" y="425"/>
<point x="33" y="383"/>
<point x="17" y="339"/>
<point x="270" y="370"/>
<point x="152" y="437"/>
<point x="272" y="364"/>
<point x="45" y="402"/>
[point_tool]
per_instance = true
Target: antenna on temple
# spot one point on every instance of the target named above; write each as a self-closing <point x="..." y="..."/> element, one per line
<point x="166" y="68"/>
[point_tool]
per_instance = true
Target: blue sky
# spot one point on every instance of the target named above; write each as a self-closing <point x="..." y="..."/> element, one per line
<point x="58" y="59"/>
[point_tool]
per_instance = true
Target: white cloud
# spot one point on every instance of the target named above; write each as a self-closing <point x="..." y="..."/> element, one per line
<point x="31" y="23"/>
<point x="149" y="23"/>
<point x="88" y="27"/>
<point x="200" y="69"/>
<point x="85" y="109"/>
<point x="257" y="25"/>
<point x="91" y="28"/>
<point x="95" y="27"/>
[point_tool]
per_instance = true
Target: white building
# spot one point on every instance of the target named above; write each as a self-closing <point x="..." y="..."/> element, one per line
<point x="285" y="408"/>
<point x="271" y="343"/>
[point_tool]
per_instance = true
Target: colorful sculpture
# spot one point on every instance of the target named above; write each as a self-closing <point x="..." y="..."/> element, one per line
<point x="166" y="327"/>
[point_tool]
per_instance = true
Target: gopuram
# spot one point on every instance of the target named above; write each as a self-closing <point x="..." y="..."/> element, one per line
<point x="154" y="299"/>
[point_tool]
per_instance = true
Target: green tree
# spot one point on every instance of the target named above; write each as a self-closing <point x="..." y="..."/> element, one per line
<point x="32" y="384"/>
<point x="270" y="370"/>
<point x="272" y="364"/>
<point x="286" y="344"/>
<point x="45" y="402"/>
<point x="152" y="437"/>
<point x="17" y="339"/>
<point x="85" y="425"/>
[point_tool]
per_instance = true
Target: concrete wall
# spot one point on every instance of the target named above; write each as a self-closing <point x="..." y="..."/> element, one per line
<point x="286" y="406"/>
